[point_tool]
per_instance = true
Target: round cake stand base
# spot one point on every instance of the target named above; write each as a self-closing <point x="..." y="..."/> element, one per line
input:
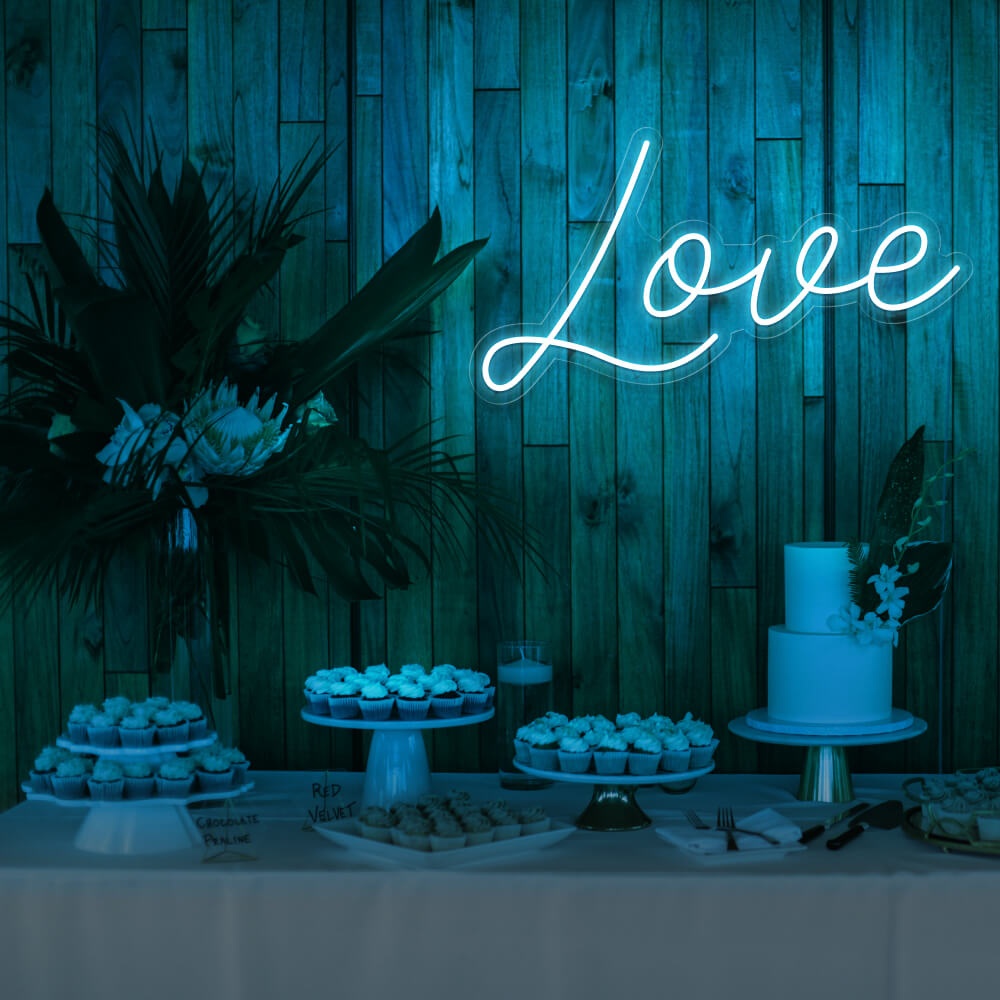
<point x="826" y="776"/>
<point x="613" y="809"/>
<point x="148" y="829"/>
<point x="397" y="768"/>
<point x="680" y="788"/>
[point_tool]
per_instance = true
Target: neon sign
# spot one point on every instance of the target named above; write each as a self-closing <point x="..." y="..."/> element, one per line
<point x="824" y="239"/>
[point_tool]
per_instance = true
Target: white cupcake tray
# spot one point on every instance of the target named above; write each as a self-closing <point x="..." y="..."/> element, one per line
<point x="156" y="825"/>
<point x="397" y="768"/>
<point x="612" y="807"/>
<point x="346" y="833"/>
<point x="165" y="750"/>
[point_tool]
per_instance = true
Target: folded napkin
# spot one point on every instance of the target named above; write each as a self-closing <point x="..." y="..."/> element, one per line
<point x="714" y="841"/>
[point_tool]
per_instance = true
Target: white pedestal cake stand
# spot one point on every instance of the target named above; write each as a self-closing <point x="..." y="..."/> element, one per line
<point x="825" y="774"/>
<point x="397" y="760"/>
<point x="155" y="825"/>
<point x="612" y="807"/>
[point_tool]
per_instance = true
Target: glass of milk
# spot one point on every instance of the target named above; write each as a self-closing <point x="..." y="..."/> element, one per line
<point x="524" y="692"/>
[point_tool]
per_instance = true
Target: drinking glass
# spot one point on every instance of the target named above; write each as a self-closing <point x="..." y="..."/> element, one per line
<point x="524" y="692"/>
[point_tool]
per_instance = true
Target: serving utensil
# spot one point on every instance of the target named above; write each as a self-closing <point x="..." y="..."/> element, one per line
<point x="885" y="815"/>
<point x="814" y="831"/>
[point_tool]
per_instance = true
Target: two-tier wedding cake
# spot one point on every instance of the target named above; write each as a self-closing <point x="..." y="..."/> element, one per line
<point x="816" y="676"/>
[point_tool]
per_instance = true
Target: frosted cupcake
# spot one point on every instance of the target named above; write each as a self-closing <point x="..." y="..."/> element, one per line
<point x="375" y="702"/>
<point x="474" y="697"/>
<point x="341" y="674"/>
<point x="215" y="773"/>
<point x="412" y="701"/>
<point x="623" y="721"/>
<point x="701" y="738"/>
<point x="377" y="672"/>
<point x="45" y="766"/>
<point x="78" y="721"/>
<point x="376" y="824"/>
<point x="544" y="747"/>
<point x="239" y="764"/>
<point x="522" y="747"/>
<point x="106" y="782"/>
<point x="138" y="777"/>
<point x="676" y="751"/>
<point x="505" y="824"/>
<point x="444" y="670"/>
<point x="412" y="670"/>
<point x="136" y="730"/>
<point x="644" y="757"/>
<point x="446" y="699"/>
<point x="533" y="820"/>
<point x="343" y="700"/>
<point x="102" y="730"/>
<point x="413" y="832"/>
<point x="394" y="682"/>
<point x="117" y="707"/>
<point x="70" y="779"/>
<point x="171" y="726"/>
<point x="197" y="723"/>
<point x="317" y="691"/>
<point x="574" y="755"/>
<point x="174" y="780"/>
<point x="447" y="835"/>
<point x="478" y="829"/>
<point x="611" y="754"/>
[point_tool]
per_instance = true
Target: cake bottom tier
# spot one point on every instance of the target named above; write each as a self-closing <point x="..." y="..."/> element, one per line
<point x="814" y="678"/>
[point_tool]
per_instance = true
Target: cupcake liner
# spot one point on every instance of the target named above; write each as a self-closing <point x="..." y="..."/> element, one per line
<point x="216" y="781"/>
<point x="491" y="693"/>
<point x="447" y="842"/>
<point x="102" y="736"/>
<point x="376" y="711"/>
<point x="702" y="756"/>
<point x="134" y="738"/>
<point x="508" y="831"/>
<point x="675" y="760"/>
<point x="643" y="764"/>
<point x="106" y="791"/>
<point x="198" y="729"/>
<point x="479" y="837"/>
<point x="522" y="751"/>
<point x="383" y="834"/>
<point x="538" y="826"/>
<point x="475" y="702"/>
<point x="41" y="782"/>
<point x="172" y="735"/>
<point x="413" y="710"/>
<point x="610" y="761"/>
<point x="174" y="788"/>
<point x="415" y="841"/>
<point x="74" y="787"/>
<point x="544" y="759"/>
<point x="240" y="773"/>
<point x="447" y="708"/>
<point x="343" y="707"/>
<point x="574" y="763"/>
<point x="395" y="834"/>
<point x="77" y="732"/>
<point x="319" y="704"/>
<point x="138" y="788"/>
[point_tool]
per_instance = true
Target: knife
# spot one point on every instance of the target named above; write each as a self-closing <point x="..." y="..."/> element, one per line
<point x="814" y="831"/>
<point x="886" y="816"/>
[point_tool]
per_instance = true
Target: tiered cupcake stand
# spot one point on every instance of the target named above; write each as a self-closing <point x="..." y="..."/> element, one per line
<point x="612" y="807"/>
<point x="397" y="767"/>
<point x="154" y="825"/>
<point x="826" y="776"/>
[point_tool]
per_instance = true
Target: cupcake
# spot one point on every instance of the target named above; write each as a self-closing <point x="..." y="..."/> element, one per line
<point x="444" y="670"/>
<point x="676" y="751"/>
<point x="138" y="779"/>
<point x="156" y="702"/>
<point x="533" y="820"/>
<point x="413" y="832"/>
<point x="543" y="746"/>
<point x="338" y="674"/>
<point x="197" y="723"/>
<point x="377" y="672"/>
<point x="317" y="691"/>
<point x="174" y="779"/>
<point x="239" y="764"/>
<point x="70" y="779"/>
<point x="376" y="824"/>
<point x="412" y="701"/>
<point x="78" y="720"/>
<point x="343" y="700"/>
<point x="446" y="699"/>
<point x="489" y="687"/>
<point x="375" y="702"/>
<point x="412" y="670"/>
<point x="215" y="773"/>
<point x="102" y="730"/>
<point x="106" y="782"/>
<point x="555" y="719"/>
<point x="505" y="824"/>
<point x="117" y="707"/>
<point x="171" y="726"/>
<point x="623" y="721"/>
<point x="574" y="755"/>
<point x="45" y="766"/>
<point x="394" y="682"/>
<point x="136" y="730"/>
<point x="644" y="756"/>
<point x="701" y="738"/>
<point x="611" y="754"/>
<point x="522" y="748"/>
<point x="447" y="834"/>
<point x="478" y="829"/>
<point x="474" y="697"/>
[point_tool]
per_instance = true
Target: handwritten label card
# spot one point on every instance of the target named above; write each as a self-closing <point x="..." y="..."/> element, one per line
<point x="325" y="807"/>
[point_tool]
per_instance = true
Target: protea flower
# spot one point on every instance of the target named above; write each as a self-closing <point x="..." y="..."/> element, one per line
<point x="230" y="438"/>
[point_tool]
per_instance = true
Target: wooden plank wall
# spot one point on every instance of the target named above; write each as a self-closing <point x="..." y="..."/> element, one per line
<point x="662" y="510"/>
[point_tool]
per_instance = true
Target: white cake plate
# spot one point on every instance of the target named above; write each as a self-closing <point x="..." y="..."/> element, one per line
<point x="825" y="774"/>
<point x="397" y="767"/>
<point x="612" y="807"/>
<point x="146" y="753"/>
<point x="138" y="826"/>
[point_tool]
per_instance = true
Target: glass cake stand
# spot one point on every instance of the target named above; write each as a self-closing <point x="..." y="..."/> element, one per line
<point x="826" y="776"/>
<point x="397" y="768"/>
<point x="612" y="807"/>
<point x="155" y="825"/>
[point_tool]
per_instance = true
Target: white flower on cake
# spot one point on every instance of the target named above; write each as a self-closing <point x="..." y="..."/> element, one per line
<point x="866" y="629"/>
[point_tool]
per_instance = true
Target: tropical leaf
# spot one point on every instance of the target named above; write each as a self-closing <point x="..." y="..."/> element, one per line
<point x="900" y="492"/>
<point x="929" y="580"/>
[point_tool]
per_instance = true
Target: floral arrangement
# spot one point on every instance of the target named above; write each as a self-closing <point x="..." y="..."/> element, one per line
<point x="149" y="413"/>
<point x="899" y="575"/>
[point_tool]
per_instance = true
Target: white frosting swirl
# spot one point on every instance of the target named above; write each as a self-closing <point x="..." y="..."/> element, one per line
<point x="107" y="770"/>
<point x="137" y="769"/>
<point x="412" y="692"/>
<point x="75" y="767"/>
<point x="443" y="686"/>
<point x="377" y="672"/>
<point x="674" y="740"/>
<point x="574" y="744"/>
<point x="374" y="691"/>
<point x="174" y="770"/>
<point x="612" y="741"/>
<point x="83" y="713"/>
<point x="168" y="717"/>
<point x="647" y="744"/>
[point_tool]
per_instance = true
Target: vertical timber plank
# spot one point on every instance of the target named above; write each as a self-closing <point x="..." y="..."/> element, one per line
<point x="497" y="45"/>
<point x="778" y="56"/>
<point x="337" y="110"/>
<point x="881" y="82"/>
<point x="210" y="100"/>
<point x="8" y="716"/>
<point x="367" y="48"/>
<point x="301" y="61"/>
<point x="164" y="14"/>
<point x="734" y="684"/>
<point x="164" y="98"/>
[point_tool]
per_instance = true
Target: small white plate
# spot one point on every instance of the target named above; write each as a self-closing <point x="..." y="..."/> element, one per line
<point x="729" y="857"/>
<point x="345" y="833"/>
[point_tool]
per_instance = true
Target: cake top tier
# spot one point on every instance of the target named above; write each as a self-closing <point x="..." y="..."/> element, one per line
<point x="817" y="584"/>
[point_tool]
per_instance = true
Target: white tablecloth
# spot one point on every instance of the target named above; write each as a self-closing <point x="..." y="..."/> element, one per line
<point x="598" y="915"/>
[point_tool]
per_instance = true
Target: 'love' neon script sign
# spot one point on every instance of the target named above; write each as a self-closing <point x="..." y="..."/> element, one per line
<point x="821" y="241"/>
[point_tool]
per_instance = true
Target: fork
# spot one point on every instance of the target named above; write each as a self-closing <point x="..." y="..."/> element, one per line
<point x="726" y="821"/>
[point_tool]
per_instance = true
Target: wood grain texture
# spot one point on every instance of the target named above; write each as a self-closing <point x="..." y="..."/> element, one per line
<point x="778" y="58"/>
<point x="497" y="44"/>
<point x="367" y="47"/>
<point x="164" y="14"/>
<point x="301" y="61"/>
<point x="881" y="82"/>
<point x="210" y="90"/>
<point x="733" y="679"/>
<point x="164" y="98"/>
<point x="337" y="110"/>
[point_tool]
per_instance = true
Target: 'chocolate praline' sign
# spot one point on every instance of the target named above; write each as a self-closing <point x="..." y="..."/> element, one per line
<point x="927" y="290"/>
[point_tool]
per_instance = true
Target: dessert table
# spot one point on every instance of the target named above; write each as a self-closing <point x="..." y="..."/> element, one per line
<point x="597" y="915"/>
